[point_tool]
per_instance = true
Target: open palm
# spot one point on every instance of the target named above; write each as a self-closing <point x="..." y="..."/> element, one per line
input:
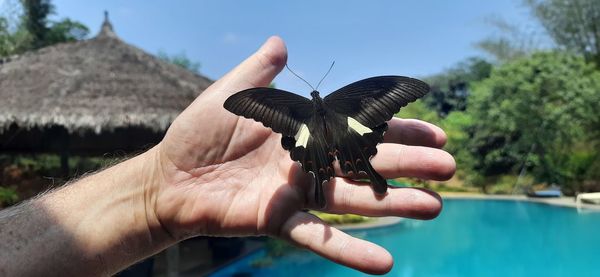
<point x="224" y="175"/>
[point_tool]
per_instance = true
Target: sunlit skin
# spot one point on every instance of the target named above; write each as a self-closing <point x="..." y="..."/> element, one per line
<point x="216" y="174"/>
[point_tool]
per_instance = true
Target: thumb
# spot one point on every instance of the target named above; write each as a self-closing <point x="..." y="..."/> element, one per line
<point x="257" y="70"/>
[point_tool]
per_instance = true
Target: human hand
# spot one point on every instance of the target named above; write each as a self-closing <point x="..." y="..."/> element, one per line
<point x="219" y="174"/>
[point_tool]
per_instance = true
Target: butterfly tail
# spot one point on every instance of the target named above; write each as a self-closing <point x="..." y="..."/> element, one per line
<point x="379" y="183"/>
<point x="355" y="150"/>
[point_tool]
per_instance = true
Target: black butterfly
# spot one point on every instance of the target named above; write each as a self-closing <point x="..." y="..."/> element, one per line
<point x="345" y="125"/>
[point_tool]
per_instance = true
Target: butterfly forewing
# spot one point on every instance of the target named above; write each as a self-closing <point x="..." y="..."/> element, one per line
<point x="282" y="111"/>
<point x="375" y="100"/>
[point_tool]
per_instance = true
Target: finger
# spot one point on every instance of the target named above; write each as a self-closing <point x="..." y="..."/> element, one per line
<point x="308" y="231"/>
<point x="397" y="160"/>
<point x="192" y="138"/>
<point x="414" y="132"/>
<point x="348" y="196"/>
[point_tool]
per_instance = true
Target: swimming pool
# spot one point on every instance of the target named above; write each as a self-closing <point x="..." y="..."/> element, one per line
<point x="469" y="238"/>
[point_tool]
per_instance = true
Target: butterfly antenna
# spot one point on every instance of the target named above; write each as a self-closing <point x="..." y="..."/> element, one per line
<point x="325" y="75"/>
<point x="286" y="66"/>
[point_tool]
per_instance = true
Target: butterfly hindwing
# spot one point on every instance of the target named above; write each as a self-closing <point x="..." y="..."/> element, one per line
<point x="282" y="111"/>
<point x="373" y="101"/>
<point x="314" y="154"/>
<point x="354" y="150"/>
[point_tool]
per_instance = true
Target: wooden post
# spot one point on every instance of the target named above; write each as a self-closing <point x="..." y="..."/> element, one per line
<point x="64" y="152"/>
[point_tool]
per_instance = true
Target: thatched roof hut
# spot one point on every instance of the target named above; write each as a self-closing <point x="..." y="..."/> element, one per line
<point x="91" y="88"/>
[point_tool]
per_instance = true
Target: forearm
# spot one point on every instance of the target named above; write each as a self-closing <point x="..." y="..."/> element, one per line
<point x="95" y="226"/>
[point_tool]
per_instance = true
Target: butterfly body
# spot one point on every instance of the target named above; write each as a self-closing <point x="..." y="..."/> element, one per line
<point x="344" y="127"/>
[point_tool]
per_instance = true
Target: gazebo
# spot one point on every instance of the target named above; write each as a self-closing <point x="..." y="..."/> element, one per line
<point x="90" y="97"/>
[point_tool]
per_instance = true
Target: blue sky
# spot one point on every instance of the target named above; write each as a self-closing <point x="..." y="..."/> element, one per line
<point x="365" y="38"/>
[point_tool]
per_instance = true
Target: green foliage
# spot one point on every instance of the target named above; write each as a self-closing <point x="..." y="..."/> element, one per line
<point x="398" y="183"/>
<point x="40" y="164"/>
<point x="28" y="175"/>
<point x="33" y="30"/>
<point x="49" y="164"/>
<point x="45" y="165"/>
<point x="8" y="196"/>
<point x="539" y="109"/>
<point x="442" y="187"/>
<point x="341" y="218"/>
<point x="431" y="185"/>
<point x="35" y="20"/>
<point x="12" y="42"/>
<point x="449" y="90"/>
<point x="64" y="31"/>
<point x="506" y="183"/>
<point x="181" y="60"/>
<point x="456" y="125"/>
<point x="420" y="111"/>
<point x="6" y="44"/>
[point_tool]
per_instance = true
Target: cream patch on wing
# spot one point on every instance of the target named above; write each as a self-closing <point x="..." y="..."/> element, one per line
<point x="359" y="128"/>
<point x="302" y="136"/>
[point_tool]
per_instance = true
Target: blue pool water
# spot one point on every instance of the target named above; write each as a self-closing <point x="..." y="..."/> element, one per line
<point x="469" y="238"/>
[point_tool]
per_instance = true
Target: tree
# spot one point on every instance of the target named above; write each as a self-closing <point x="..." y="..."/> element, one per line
<point x="450" y="90"/>
<point x="66" y="30"/>
<point x="12" y="38"/>
<point x="572" y="24"/>
<point x="511" y="42"/>
<point x="455" y="125"/>
<point x="542" y="109"/>
<point x="181" y="60"/>
<point x="418" y="110"/>
<point x="35" y="20"/>
<point x="33" y="29"/>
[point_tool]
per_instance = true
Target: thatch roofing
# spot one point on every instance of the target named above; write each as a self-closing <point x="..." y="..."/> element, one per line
<point x="94" y="85"/>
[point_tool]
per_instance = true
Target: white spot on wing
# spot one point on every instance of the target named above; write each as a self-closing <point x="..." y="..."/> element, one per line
<point x="302" y="136"/>
<point x="356" y="126"/>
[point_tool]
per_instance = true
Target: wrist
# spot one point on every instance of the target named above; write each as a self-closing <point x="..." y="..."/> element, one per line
<point x="109" y="214"/>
